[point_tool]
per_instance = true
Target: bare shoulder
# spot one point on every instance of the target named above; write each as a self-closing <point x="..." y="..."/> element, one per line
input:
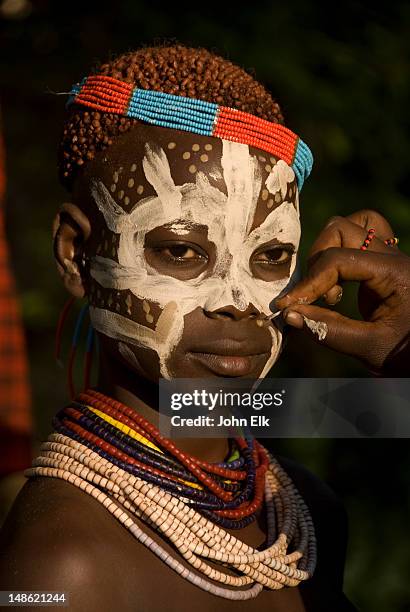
<point x="58" y="538"/>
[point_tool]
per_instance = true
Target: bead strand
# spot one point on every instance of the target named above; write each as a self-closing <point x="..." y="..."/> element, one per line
<point x="110" y="95"/>
<point x="158" y="504"/>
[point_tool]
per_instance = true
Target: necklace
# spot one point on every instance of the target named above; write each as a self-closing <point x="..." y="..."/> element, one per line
<point x="188" y="501"/>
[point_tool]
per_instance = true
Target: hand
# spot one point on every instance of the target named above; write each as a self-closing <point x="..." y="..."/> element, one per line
<point x="382" y="339"/>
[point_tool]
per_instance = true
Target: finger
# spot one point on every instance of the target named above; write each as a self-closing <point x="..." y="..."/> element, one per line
<point x="337" y="331"/>
<point x="371" y="218"/>
<point x="334" y="295"/>
<point x="343" y="232"/>
<point x="341" y="264"/>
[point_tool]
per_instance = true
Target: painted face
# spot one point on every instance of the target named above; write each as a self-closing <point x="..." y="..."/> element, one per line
<point x="193" y="239"/>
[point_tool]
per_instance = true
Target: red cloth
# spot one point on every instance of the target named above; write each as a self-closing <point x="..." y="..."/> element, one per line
<point x="15" y="403"/>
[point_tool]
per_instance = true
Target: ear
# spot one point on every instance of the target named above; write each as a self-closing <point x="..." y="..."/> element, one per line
<point x="71" y="229"/>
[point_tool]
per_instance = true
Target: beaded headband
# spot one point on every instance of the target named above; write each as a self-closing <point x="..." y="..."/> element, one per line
<point x="110" y="95"/>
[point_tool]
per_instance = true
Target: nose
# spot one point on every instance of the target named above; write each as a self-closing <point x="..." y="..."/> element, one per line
<point x="231" y="312"/>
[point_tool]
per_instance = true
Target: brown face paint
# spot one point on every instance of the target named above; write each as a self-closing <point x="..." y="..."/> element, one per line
<point x="189" y="225"/>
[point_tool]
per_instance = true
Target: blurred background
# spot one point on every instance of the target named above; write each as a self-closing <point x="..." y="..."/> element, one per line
<point x="341" y="74"/>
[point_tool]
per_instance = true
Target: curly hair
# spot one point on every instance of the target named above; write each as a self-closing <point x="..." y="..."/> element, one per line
<point x="178" y="70"/>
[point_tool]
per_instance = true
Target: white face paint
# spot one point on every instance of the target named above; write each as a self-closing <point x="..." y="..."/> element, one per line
<point x="228" y="218"/>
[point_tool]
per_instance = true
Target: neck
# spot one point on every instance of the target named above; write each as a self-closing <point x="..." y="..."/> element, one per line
<point x="127" y="387"/>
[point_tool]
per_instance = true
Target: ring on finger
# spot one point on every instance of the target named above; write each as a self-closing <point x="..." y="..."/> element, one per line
<point x="392" y="241"/>
<point x="370" y="235"/>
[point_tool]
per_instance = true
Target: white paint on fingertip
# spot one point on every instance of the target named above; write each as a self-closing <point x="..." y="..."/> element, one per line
<point x="319" y="328"/>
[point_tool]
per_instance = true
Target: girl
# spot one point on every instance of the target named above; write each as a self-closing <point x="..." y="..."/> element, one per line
<point x="182" y="229"/>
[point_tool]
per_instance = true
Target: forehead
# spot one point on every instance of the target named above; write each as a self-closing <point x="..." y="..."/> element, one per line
<point x="128" y="178"/>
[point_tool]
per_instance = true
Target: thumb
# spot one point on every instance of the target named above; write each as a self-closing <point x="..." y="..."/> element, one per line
<point x="356" y="338"/>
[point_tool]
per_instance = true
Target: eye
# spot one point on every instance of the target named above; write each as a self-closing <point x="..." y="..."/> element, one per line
<point x="274" y="256"/>
<point x="179" y="254"/>
<point x="180" y="251"/>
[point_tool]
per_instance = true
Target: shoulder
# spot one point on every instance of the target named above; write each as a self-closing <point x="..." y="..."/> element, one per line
<point x="50" y="540"/>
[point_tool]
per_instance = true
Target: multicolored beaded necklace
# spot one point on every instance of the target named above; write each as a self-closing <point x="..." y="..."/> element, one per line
<point x="104" y="447"/>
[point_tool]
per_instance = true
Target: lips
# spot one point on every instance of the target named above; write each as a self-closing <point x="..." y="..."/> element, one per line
<point x="231" y="347"/>
<point x="230" y="366"/>
<point x="229" y="357"/>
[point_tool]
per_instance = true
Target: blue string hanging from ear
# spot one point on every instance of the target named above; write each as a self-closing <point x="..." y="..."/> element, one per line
<point x="73" y="349"/>
<point x="60" y="328"/>
<point x="88" y="359"/>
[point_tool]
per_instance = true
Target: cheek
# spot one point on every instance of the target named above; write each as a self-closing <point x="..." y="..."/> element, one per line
<point x="124" y="303"/>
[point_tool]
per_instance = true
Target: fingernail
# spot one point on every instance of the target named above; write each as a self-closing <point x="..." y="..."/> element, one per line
<point x="294" y="319"/>
<point x="337" y="299"/>
<point x="339" y="296"/>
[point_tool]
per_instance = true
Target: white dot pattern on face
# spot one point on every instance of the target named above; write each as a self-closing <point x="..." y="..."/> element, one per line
<point x="204" y="158"/>
<point x="186" y="155"/>
<point x="270" y="203"/>
<point x="262" y="159"/>
<point x="265" y="194"/>
<point x="172" y="145"/>
<point x="122" y="196"/>
<point x="192" y="169"/>
<point x="278" y="197"/>
<point x="195" y="147"/>
<point x="268" y="168"/>
<point x="208" y="147"/>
